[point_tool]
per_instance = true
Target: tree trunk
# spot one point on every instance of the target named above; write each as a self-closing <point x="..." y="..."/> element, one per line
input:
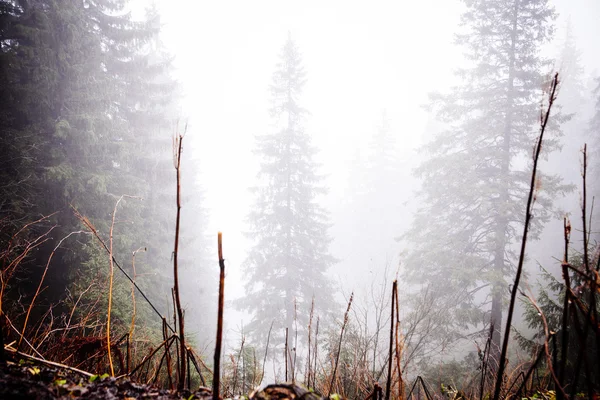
<point x="498" y="286"/>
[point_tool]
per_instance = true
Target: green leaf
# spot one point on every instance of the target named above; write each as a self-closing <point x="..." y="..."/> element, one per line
<point x="59" y="382"/>
<point x="94" y="378"/>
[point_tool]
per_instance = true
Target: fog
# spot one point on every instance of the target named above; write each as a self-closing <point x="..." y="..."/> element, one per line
<point x="401" y="150"/>
<point x="362" y="61"/>
<point x="356" y="69"/>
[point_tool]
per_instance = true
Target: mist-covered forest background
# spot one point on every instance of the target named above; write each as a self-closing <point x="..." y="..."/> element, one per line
<point x="338" y="146"/>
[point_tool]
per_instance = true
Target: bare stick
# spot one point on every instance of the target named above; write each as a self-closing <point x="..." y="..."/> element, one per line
<point x="549" y="362"/>
<point x="314" y="386"/>
<point x="565" y="316"/>
<point x="195" y="363"/>
<point x="255" y="367"/>
<point x="590" y="230"/>
<point x="39" y="288"/>
<point x="24" y="339"/>
<point x="528" y="213"/>
<point x="2" y="355"/>
<point x="266" y="350"/>
<point x="295" y="340"/>
<point x="189" y="378"/>
<point x="217" y="361"/>
<point x="398" y="348"/>
<point x="93" y="230"/>
<point x="51" y="363"/>
<point x="285" y="353"/>
<point x="485" y="360"/>
<point x="310" y="319"/>
<point x="586" y="259"/>
<point x="110" y="285"/>
<point x="388" y="385"/>
<point x="133" y="312"/>
<point x="178" y="140"/>
<point x="593" y="282"/>
<point x="110" y="282"/>
<point x="149" y="356"/>
<point x="337" y="358"/>
<point x="237" y="365"/>
<point x="529" y="372"/>
<point x="7" y="271"/>
<point x="167" y="357"/>
<point x="27" y="225"/>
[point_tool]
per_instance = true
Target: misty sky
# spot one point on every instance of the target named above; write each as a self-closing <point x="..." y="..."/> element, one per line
<point x="361" y="58"/>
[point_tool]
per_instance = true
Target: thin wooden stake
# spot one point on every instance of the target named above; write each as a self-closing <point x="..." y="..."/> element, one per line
<point x="286" y="354"/>
<point x="178" y="143"/>
<point x="398" y="347"/>
<point x="337" y="358"/>
<point x="262" y="375"/>
<point x="388" y="384"/>
<point x="217" y="360"/>
<point x="528" y="216"/>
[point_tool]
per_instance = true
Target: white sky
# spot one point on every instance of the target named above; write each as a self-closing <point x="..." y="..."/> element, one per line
<point x="360" y="57"/>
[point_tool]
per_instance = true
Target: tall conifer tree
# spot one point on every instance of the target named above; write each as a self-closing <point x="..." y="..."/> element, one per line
<point x="288" y="261"/>
<point x="88" y="116"/>
<point x="475" y="180"/>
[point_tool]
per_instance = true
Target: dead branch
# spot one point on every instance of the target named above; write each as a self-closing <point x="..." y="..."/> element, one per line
<point x="528" y="214"/>
<point x="337" y="358"/>
<point x="51" y="363"/>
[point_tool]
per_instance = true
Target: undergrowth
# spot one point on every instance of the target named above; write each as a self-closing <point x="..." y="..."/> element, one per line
<point x="148" y="345"/>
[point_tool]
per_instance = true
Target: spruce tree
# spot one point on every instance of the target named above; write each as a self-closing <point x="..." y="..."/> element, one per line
<point x="475" y="179"/>
<point x="52" y="118"/>
<point x="550" y="300"/>
<point x="89" y="116"/>
<point x="286" y="266"/>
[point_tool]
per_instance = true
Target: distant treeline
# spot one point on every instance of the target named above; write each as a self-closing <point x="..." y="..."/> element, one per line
<point x="87" y="116"/>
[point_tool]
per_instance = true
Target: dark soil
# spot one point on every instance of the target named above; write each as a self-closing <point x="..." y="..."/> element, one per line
<point x="27" y="381"/>
<point x="30" y="381"/>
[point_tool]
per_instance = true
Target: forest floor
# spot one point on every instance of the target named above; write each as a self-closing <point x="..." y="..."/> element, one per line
<point x="27" y="380"/>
